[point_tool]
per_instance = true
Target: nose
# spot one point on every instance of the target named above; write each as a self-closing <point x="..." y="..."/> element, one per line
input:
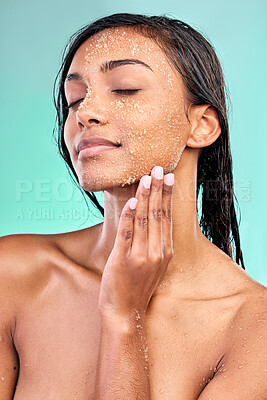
<point x="88" y="115"/>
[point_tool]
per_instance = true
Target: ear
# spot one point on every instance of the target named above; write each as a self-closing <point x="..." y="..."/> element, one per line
<point x="205" y="126"/>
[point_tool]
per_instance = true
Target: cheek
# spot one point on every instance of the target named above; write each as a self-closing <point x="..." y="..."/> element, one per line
<point x="68" y="137"/>
<point x="155" y="133"/>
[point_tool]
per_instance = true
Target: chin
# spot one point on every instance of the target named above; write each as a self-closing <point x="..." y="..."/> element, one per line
<point x="114" y="186"/>
<point x="94" y="186"/>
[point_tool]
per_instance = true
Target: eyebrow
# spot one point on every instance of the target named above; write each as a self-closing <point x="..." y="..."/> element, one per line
<point x="109" y="66"/>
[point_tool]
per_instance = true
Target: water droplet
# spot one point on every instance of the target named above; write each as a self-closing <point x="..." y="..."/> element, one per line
<point x="161" y="390"/>
<point x="248" y="351"/>
<point x="3" y="378"/>
<point x="186" y="334"/>
<point x="221" y="329"/>
<point x="260" y="337"/>
<point x="240" y="366"/>
<point x="240" y="329"/>
<point x="75" y="393"/>
<point x="261" y="320"/>
<point x="137" y="317"/>
<point x="1" y="339"/>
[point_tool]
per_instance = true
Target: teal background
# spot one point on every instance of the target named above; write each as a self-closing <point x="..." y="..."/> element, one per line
<point x="37" y="195"/>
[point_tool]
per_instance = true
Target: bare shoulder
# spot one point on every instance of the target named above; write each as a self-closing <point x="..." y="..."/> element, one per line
<point x="249" y="323"/>
<point x="21" y="252"/>
<point x="22" y="263"/>
<point x="27" y="260"/>
<point x="24" y="260"/>
<point x="242" y="370"/>
<point x="251" y="318"/>
<point x="28" y="265"/>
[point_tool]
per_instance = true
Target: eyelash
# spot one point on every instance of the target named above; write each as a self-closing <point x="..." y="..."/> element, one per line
<point x="72" y="104"/>
<point x="121" y="91"/>
<point x="126" y="91"/>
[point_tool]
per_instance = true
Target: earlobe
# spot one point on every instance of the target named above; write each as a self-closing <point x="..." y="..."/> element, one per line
<point x="205" y="126"/>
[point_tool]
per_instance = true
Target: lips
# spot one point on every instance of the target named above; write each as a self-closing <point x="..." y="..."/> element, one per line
<point x="94" y="141"/>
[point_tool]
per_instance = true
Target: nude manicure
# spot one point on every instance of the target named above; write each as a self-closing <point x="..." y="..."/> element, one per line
<point x="169" y="179"/>
<point x="159" y="172"/>
<point x="147" y="181"/>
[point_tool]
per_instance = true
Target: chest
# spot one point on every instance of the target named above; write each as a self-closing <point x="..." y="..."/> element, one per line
<point x="58" y="335"/>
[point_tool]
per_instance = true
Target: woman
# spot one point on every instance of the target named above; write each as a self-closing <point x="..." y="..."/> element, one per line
<point x="144" y="305"/>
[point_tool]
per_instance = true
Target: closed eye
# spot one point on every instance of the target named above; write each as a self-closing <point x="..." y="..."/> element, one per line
<point x="126" y="91"/>
<point x="121" y="91"/>
<point x="73" y="104"/>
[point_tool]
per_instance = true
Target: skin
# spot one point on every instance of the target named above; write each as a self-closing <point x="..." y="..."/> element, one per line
<point x="62" y="314"/>
<point x="165" y="106"/>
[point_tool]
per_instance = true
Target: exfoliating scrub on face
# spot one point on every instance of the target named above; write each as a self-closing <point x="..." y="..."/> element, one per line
<point x="130" y="95"/>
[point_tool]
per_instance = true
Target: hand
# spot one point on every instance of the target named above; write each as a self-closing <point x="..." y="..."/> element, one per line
<point x="142" y="250"/>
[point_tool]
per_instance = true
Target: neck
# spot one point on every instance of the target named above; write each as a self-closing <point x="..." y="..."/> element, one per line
<point x="187" y="235"/>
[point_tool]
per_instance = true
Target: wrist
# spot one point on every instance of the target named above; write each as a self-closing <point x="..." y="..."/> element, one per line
<point x="129" y="321"/>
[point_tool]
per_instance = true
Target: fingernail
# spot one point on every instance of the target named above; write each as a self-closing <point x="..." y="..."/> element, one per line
<point x="159" y="172"/>
<point x="147" y="181"/>
<point x="133" y="203"/>
<point x="169" y="179"/>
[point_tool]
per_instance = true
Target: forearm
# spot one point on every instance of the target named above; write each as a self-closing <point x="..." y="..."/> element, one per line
<point x="122" y="370"/>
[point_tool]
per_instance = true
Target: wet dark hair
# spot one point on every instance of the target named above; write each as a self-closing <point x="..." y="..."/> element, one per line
<point x="195" y="59"/>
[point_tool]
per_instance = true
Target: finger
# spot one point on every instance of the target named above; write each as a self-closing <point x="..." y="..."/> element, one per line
<point x="155" y="214"/>
<point x="139" y="244"/>
<point x="124" y="235"/>
<point x="168" y="183"/>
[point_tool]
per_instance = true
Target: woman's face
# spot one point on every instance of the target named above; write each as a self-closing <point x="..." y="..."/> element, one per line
<point x="141" y="107"/>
